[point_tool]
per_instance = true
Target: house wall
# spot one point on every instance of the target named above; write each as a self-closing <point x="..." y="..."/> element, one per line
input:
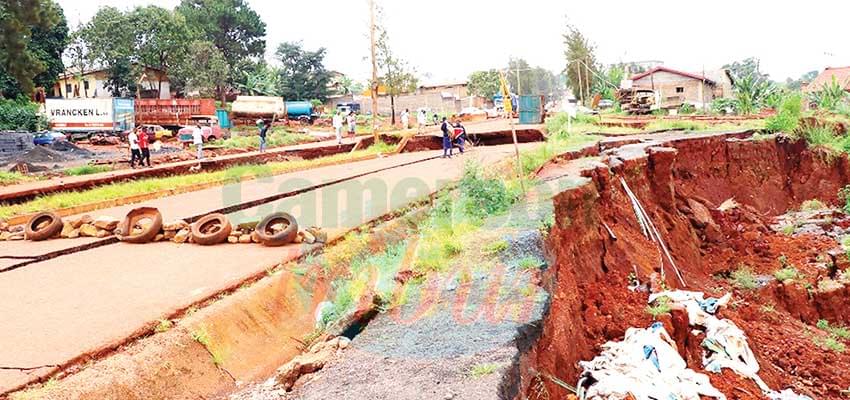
<point x="695" y="91"/>
<point x="97" y="86"/>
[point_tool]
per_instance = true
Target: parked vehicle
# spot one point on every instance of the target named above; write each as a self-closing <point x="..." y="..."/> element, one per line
<point x="345" y="108"/>
<point x="172" y="113"/>
<point x="80" y="118"/>
<point x="246" y="109"/>
<point x="47" y="138"/>
<point x="209" y="128"/>
<point x="157" y="132"/>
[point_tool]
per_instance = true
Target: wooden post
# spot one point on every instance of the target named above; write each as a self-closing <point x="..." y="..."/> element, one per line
<point x="374" y="71"/>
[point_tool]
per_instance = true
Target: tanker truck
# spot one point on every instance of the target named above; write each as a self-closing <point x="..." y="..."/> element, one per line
<point x="247" y="109"/>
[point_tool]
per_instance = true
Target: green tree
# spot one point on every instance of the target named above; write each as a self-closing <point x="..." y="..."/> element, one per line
<point x="748" y="67"/>
<point x="302" y="74"/>
<point x="484" y="83"/>
<point x="797" y="84"/>
<point x="231" y="25"/>
<point x="109" y="40"/>
<point x="204" y="70"/>
<point x="581" y="62"/>
<point x="259" y="80"/>
<point x="752" y="93"/>
<point x="33" y="34"/>
<point x="161" y="39"/>
<point x="397" y="77"/>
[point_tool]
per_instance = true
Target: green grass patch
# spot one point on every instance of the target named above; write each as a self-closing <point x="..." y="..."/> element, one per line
<point x="659" y="307"/>
<point x="120" y="190"/>
<point x="813" y="205"/>
<point x="528" y="263"/>
<point x="786" y="274"/>
<point x="87" y="170"/>
<point x="496" y="247"/>
<point x="481" y="370"/>
<point x="251" y="139"/>
<point x="11" y="178"/>
<point x="163" y="326"/>
<point x="839" y="331"/>
<point x="669" y="125"/>
<point x="743" y="278"/>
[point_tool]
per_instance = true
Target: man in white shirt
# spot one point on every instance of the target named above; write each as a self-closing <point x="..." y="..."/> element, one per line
<point x="337" y="123"/>
<point x="198" y="140"/>
<point x="135" y="150"/>
<point x="422" y="120"/>
<point x="352" y="123"/>
<point x="405" y="119"/>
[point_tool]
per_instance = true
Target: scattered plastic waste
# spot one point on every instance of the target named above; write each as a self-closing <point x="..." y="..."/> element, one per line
<point x="647" y="365"/>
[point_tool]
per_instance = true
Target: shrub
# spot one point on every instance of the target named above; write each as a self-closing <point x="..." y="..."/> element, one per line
<point x="20" y="114"/>
<point x="687" y="108"/>
<point x="787" y="119"/>
<point x="481" y="197"/>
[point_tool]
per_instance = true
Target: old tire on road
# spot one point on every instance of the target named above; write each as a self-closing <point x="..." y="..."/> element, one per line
<point x="43" y="226"/>
<point x="211" y="229"/>
<point x="133" y="219"/>
<point x="272" y="237"/>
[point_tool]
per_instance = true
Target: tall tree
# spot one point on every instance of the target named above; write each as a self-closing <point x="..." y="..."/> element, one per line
<point x="484" y="83"/>
<point x="581" y="61"/>
<point x="396" y="76"/>
<point x="204" y="70"/>
<point x="161" y="39"/>
<point x="747" y="67"/>
<point x="796" y="84"/>
<point x="109" y="41"/>
<point x="231" y="25"/>
<point x="302" y="74"/>
<point x="33" y="34"/>
<point x="259" y="79"/>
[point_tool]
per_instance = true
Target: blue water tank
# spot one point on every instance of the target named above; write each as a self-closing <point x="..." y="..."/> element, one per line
<point x="295" y="109"/>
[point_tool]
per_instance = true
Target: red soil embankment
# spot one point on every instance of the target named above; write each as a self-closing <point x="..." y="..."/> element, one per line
<point x="681" y="185"/>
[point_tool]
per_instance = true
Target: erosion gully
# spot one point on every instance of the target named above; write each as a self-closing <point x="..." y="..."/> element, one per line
<point x="597" y="243"/>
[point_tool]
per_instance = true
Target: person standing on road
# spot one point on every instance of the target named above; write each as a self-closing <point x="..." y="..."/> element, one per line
<point x="198" y="140"/>
<point x="405" y="119"/>
<point x="143" y="146"/>
<point x="422" y="121"/>
<point x="447" y="139"/>
<point x="135" y="151"/>
<point x="337" y="123"/>
<point x="352" y="124"/>
<point x="264" y="130"/>
<point x="460" y="140"/>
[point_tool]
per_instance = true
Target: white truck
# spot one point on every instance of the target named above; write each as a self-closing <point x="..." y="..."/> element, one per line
<point x="84" y="117"/>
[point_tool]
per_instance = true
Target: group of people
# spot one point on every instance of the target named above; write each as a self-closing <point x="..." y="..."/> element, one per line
<point x="139" y="147"/>
<point x="339" y="120"/>
<point x="453" y="136"/>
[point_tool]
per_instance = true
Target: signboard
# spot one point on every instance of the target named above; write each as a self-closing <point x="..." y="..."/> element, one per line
<point x="506" y="94"/>
<point x="80" y="114"/>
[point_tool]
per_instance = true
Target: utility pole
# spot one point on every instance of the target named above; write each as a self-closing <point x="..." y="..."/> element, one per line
<point x="374" y="71"/>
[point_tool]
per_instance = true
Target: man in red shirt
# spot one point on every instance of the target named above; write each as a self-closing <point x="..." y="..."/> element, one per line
<point x="143" y="145"/>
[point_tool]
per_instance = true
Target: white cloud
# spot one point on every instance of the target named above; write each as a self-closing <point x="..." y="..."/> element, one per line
<point x="450" y="38"/>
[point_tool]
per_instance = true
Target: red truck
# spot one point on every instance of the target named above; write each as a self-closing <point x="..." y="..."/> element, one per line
<point x="174" y="113"/>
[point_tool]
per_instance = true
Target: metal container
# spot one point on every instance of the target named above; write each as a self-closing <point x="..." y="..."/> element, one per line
<point x="530" y="109"/>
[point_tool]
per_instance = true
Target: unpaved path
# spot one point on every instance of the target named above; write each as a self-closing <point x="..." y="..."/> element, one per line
<point x="80" y="304"/>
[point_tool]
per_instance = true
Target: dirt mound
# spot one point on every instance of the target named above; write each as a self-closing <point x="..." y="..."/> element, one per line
<point x="71" y="149"/>
<point x="681" y="190"/>
<point x="42" y="154"/>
